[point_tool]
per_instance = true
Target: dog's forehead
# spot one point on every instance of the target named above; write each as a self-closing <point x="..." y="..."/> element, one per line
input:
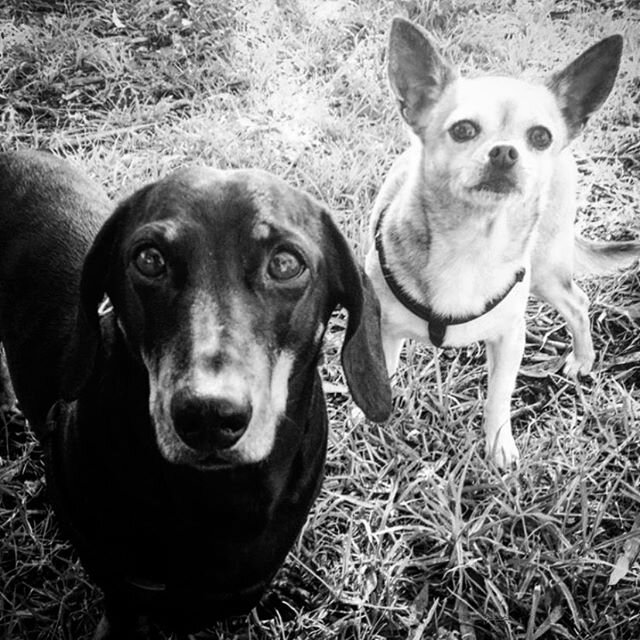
<point x="502" y="102"/>
<point x="248" y="197"/>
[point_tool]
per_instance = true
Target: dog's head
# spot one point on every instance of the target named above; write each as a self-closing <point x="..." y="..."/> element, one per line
<point x="222" y="283"/>
<point x="488" y="140"/>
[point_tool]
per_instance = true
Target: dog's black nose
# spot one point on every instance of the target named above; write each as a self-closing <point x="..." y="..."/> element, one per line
<point x="503" y="156"/>
<point x="208" y="424"/>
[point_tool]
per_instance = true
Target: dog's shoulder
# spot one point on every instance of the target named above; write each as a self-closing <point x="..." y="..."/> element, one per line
<point x="40" y="181"/>
<point x="38" y="167"/>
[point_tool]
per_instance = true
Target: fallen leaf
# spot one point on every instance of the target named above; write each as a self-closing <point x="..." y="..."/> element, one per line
<point x="629" y="554"/>
<point x="627" y="358"/>
<point x="370" y="582"/>
<point x="631" y="311"/>
<point x="115" y="18"/>
<point x="545" y="368"/>
<point x="620" y="570"/>
<point x="421" y="601"/>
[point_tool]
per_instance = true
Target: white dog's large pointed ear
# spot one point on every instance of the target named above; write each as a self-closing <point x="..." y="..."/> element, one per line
<point x="417" y="73"/>
<point x="582" y="87"/>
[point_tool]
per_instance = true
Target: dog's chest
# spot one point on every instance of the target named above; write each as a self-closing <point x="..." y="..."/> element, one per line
<point x="460" y="278"/>
<point x="454" y="273"/>
<point x="461" y="288"/>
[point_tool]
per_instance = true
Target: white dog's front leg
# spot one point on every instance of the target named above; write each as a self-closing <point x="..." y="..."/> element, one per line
<point x="504" y="355"/>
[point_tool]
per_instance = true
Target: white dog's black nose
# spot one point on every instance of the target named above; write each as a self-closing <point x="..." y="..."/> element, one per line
<point x="208" y="424"/>
<point x="503" y="156"/>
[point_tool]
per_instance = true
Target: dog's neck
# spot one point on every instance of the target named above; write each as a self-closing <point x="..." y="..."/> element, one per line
<point x="465" y="254"/>
<point x="476" y="219"/>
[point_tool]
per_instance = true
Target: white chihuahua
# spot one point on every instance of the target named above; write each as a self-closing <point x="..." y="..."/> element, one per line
<point x="480" y="210"/>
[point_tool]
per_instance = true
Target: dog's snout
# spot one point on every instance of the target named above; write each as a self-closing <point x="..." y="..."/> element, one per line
<point x="503" y="156"/>
<point x="208" y="423"/>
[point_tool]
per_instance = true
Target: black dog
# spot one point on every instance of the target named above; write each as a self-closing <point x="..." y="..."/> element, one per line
<point x="192" y="446"/>
<point x="49" y="214"/>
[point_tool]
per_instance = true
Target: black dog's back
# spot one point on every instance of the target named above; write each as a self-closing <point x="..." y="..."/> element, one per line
<point x="49" y="215"/>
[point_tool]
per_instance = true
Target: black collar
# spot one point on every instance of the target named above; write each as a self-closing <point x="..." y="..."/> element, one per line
<point x="437" y="322"/>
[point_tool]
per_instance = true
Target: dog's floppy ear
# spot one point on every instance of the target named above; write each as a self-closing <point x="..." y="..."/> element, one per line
<point x="362" y="356"/>
<point x="82" y="354"/>
<point x="81" y="357"/>
<point x="417" y="73"/>
<point x="582" y="86"/>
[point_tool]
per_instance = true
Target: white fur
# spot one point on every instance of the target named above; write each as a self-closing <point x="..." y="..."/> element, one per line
<point x="460" y="221"/>
<point x="244" y="375"/>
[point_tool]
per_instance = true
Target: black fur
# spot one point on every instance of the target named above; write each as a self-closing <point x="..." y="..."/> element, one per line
<point x="49" y="215"/>
<point x="177" y="545"/>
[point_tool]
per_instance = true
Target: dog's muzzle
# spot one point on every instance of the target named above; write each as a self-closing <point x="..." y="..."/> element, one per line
<point x="209" y="424"/>
<point x="498" y="184"/>
<point x="498" y="176"/>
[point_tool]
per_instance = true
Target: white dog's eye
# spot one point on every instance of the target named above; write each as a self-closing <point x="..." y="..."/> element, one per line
<point x="539" y="137"/>
<point x="464" y="130"/>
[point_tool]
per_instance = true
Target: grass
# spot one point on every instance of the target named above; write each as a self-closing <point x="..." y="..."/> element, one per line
<point x="414" y="536"/>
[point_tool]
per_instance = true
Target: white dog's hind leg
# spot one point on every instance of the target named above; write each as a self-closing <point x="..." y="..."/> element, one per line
<point x="572" y="303"/>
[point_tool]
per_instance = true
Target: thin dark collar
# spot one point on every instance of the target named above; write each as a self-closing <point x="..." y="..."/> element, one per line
<point x="438" y="323"/>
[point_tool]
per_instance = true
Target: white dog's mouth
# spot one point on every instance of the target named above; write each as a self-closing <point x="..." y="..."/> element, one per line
<point x="498" y="185"/>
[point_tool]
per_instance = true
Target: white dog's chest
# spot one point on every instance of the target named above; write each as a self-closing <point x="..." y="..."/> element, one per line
<point x="398" y="321"/>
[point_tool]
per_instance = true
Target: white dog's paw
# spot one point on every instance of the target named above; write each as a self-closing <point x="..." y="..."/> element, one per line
<point x="575" y="366"/>
<point x="503" y="451"/>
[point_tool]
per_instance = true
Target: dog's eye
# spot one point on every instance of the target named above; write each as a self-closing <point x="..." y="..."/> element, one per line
<point x="464" y="130"/>
<point x="150" y="262"/>
<point x="539" y="137"/>
<point x="285" y="265"/>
